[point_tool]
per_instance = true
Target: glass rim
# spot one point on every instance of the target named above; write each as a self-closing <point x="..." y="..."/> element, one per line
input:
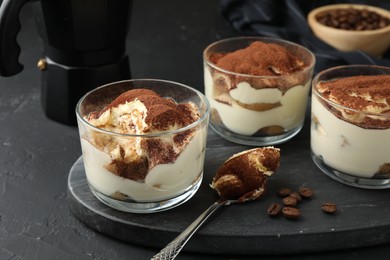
<point x="265" y="39"/>
<point x="316" y="80"/>
<point x="151" y="135"/>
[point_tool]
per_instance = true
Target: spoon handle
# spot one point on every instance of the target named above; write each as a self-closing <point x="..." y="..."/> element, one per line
<point x="173" y="248"/>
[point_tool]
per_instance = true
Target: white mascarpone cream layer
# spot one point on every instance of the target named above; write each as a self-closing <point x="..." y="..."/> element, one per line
<point x="288" y="115"/>
<point x="162" y="182"/>
<point x="345" y="146"/>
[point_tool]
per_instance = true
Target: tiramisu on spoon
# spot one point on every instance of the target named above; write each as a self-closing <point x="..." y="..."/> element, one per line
<point x="243" y="177"/>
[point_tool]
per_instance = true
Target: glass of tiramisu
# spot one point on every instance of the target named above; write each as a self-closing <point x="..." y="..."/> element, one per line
<point x="257" y="88"/>
<point x="143" y="143"/>
<point x="350" y="126"/>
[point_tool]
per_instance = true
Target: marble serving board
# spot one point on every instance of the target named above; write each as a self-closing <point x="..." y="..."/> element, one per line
<point x="362" y="218"/>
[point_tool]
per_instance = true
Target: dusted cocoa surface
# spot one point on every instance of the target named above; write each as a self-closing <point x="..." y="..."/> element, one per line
<point x="244" y="175"/>
<point x="367" y="93"/>
<point x="259" y="59"/>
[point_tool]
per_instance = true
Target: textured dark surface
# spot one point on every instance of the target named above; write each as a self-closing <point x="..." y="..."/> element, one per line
<point x="36" y="154"/>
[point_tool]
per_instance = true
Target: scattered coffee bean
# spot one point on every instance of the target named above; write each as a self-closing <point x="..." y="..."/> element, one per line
<point x="290" y="201"/>
<point x="274" y="209"/>
<point x="329" y="207"/>
<point x="291" y="212"/>
<point x="305" y="192"/>
<point x="284" y="192"/>
<point x="295" y="195"/>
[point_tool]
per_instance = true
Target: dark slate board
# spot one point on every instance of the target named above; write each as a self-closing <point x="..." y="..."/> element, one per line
<point x="362" y="218"/>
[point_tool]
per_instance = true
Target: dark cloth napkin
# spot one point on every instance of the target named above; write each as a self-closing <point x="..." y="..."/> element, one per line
<point x="286" y="19"/>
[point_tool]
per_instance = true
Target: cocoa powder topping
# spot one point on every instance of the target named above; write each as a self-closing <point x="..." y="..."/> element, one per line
<point x="368" y="94"/>
<point x="162" y="112"/>
<point x="244" y="174"/>
<point x="259" y="59"/>
<point x="362" y="93"/>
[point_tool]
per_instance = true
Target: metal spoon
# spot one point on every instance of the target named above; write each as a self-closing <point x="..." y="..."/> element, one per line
<point x="171" y="250"/>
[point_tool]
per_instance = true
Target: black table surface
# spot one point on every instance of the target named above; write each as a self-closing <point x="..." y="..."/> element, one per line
<point x="166" y="41"/>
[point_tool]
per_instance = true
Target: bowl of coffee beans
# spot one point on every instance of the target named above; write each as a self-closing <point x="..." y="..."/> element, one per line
<point x="351" y="27"/>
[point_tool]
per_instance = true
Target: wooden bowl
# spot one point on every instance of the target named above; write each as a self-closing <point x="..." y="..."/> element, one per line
<point x="374" y="42"/>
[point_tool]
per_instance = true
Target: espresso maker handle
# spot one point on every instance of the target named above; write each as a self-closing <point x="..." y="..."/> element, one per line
<point x="9" y="29"/>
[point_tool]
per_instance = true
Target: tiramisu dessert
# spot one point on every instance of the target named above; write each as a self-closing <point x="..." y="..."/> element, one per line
<point x="137" y="150"/>
<point x="350" y="130"/>
<point x="244" y="176"/>
<point x="259" y="90"/>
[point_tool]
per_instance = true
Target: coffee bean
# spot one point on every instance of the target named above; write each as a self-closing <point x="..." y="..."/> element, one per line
<point x="284" y="192"/>
<point x="329" y="207"/>
<point x="290" y="201"/>
<point x="306" y="192"/>
<point x="274" y="209"/>
<point x="296" y="195"/>
<point x="353" y="19"/>
<point x="291" y="212"/>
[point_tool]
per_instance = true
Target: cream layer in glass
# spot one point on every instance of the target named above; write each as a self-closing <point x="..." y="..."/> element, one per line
<point x="289" y="114"/>
<point x="163" y="181"/>
<point x="346" y="147"/>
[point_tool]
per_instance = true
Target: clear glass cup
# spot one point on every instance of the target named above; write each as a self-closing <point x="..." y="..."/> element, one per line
<point x="256" y="110"/>
<point x="155" y="179"/>
<point x="348" y="144"/>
